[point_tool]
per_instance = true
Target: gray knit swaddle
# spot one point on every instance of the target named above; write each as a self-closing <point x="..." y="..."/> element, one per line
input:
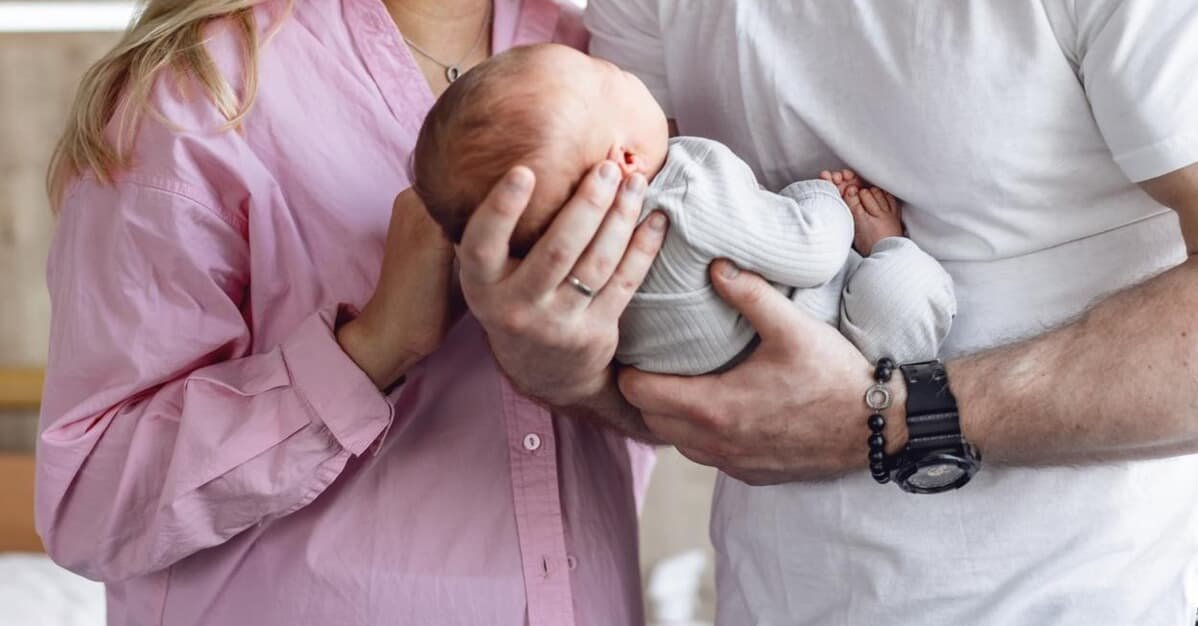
<point x="898" y="302"/>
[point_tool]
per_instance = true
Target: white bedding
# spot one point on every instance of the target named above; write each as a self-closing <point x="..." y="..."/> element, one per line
<point x="36" y="592"/>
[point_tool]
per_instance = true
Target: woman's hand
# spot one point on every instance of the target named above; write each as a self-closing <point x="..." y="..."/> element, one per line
<point x="793" y="411"/>
<point x="554" y="342"/>
<point x="416" y="302"/>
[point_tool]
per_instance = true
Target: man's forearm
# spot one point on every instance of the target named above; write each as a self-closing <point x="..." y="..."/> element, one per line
<point x="1119" y="383"/>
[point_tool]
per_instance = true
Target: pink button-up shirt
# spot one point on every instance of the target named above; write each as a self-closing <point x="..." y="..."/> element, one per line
<point x="210" y="452"/>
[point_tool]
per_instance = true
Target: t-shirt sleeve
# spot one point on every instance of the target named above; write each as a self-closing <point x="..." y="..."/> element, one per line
<point x="628" y="33"/>
<point x="1137" y="64"/>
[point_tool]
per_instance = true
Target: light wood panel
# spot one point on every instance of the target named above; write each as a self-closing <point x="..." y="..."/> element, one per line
<point x="20" y="388"/>
<point x="16" y="505"/>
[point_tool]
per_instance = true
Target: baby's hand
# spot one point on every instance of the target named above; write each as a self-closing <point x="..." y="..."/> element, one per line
<point x="876" y="213"/>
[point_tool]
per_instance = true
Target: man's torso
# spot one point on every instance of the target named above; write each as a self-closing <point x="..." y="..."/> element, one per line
<point x="975" y="115"/>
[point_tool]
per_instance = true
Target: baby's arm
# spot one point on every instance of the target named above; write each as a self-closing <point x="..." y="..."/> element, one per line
<point x="897" y="302"/>
<point x="798" y="238"/>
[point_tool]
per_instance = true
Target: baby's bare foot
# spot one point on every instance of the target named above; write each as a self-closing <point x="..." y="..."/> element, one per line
<point x="843" y="179"/>
<point x="876" y="216"/>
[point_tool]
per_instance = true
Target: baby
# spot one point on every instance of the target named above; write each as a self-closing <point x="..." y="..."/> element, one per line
<point x="560" y="112"/>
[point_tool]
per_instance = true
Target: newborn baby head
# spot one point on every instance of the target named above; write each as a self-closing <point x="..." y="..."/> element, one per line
<point x="548" y="107"/>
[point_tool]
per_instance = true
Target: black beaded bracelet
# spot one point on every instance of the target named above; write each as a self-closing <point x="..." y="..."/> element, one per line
<point x="877" y="398"/>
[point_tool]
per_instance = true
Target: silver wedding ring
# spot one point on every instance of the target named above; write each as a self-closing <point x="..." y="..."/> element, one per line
<point x="581" y="287"/>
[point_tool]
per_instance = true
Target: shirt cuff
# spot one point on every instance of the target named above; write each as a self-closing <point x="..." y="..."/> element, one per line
<point x="340" y="394"/>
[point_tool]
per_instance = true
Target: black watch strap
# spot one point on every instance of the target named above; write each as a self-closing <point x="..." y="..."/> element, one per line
<point x="937" y="457"/>
<point x="932" y="418"/>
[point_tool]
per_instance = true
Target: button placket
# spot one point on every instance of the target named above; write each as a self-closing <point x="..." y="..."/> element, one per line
<point x="539" y="521"/>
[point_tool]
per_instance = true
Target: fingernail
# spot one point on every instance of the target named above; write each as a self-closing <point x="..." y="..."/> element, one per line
<point x="729" y="270"/>
<point x="634" y="184"/>
<point x="608" y="172"/>
<point x="657" y="222"/>
<point x="519" y="179"/>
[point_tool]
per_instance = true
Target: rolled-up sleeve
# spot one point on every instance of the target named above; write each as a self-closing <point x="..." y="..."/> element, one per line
<point x="162" y="432"/>
<point x="1137" y="62"/>
<point x="628" y="33"/>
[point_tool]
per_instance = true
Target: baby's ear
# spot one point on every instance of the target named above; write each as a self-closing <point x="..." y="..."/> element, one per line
<point x="628" y="160"/>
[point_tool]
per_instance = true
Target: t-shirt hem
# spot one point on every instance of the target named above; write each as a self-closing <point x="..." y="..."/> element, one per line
<point x="1158" y="159"/>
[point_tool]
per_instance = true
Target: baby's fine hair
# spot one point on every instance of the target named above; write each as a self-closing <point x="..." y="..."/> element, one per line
<point x="487" y="122"/>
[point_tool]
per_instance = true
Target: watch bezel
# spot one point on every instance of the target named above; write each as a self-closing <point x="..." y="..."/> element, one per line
<point x="966" y="460"/>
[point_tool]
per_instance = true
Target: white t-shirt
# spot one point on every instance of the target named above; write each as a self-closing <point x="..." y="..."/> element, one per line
<point x="1013" y="130"/>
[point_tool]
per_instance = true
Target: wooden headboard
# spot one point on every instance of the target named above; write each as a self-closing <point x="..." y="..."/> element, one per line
<point x="20" y="390"/>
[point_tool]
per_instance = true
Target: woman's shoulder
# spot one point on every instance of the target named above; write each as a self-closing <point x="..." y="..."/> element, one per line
<point x="187" y="134"/>
<point x="233" y="46"/>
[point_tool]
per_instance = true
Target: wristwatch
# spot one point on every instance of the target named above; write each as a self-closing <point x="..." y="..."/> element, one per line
<point x="937" y="457"/>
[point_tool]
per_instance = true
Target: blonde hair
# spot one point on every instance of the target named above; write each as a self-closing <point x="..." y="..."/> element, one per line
<point x="168" y="34"/>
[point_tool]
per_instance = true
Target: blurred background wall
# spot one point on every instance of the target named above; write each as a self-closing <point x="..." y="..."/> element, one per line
<point x="38" y="75"/>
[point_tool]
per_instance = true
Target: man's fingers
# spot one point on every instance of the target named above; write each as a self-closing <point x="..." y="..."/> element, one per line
<point x="484" y="250"/>
<point x="601" y="260"/>
<point x="682" y="433"/>
<point x="631" y="272"/>
<point x="772" y="315"/>
<point x="662" y="394"/>
<point x="554" y="255"/>
<point x="700" y="457"/>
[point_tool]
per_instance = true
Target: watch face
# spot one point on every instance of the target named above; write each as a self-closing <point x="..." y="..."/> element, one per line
<point x="936" y="477"/>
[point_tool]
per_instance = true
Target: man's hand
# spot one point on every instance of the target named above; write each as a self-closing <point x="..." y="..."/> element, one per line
<point x="555" y="343"/>
<point x="793" y="411"/>
<point x="1117" y="384"/>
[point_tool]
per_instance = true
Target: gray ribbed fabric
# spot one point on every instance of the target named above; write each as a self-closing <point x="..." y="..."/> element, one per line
<point x="898" y="302"/>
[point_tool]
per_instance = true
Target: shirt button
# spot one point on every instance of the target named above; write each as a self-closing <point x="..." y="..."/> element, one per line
<point x="571" y="562"/>
<point x="532" y="442"/>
